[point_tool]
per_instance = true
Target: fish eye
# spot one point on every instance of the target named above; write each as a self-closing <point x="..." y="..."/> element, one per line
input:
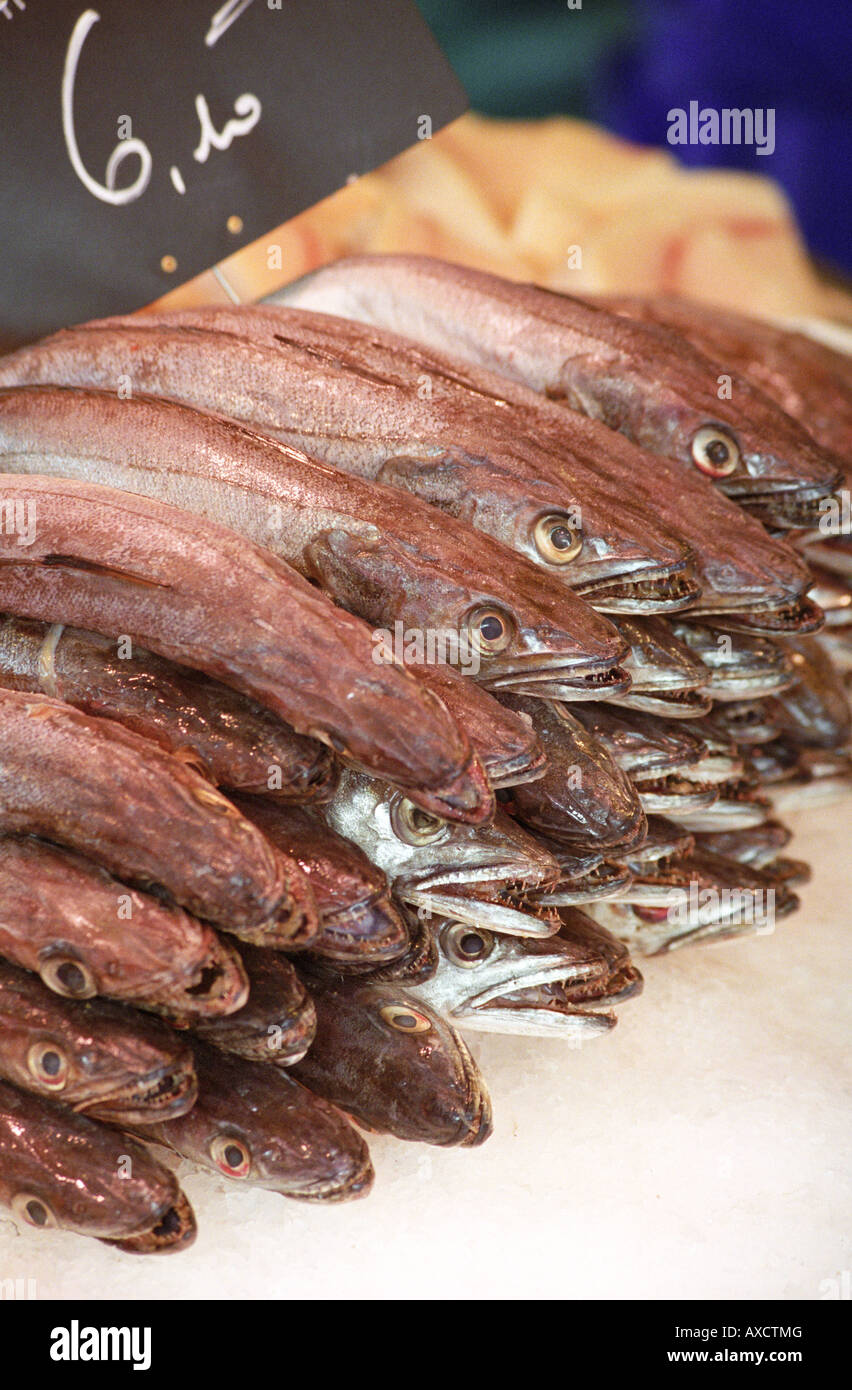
<point x="231" y="1156"/>
<point x="32" y="1209"/>
<point x="490" y="630"/>
<point x="416" y="826"/>
<point x="556" y="538"/>
<point x="466" y="945"/>
<point x="48" y="1065"/>
<point x="69" y="977"/>
<point x="405" y="1019"/>
<point x="715" y="452"/>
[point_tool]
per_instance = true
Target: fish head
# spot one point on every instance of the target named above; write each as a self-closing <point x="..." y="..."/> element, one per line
<point x="422" y="854"/>
<point x="739" y="566"/>
<point x="256" y="1124"/>
<point x="715" y="423"/>
<point x="396" y="1064"/>
<point x="584" y="877"/>
<point x="612" y="551"/>
<point x="111" y="1199"/>
<point x="757" y="456"/>
<point x="744" y="722"/>
<point x="466" y="601"/>
<point x="133" y="1077"/>
<point x="641" y="744"/>
<point x="571" y="1008"/>
<point x="667" y="679"/>
<point x="584" y="800"/>
<point x="758" y="846"/>
<point x="175" y="1230"/>
<point x="97" y="1057"/>
<point x="675" y="795"/>
<point x="278" y="1022"/>
<point x="814" y="710"/>
<point x="505" y="742"/>
<point x="785" y="478"/>
<point x="421" y="959"/>
<point x="775" y="762"/>
<point x="185" y="972"/>
<point x="477" y="968"/>
<point x="359" y="924"/>
<point x="739" y="665"/>
<point x="117" y="1070"/>
<point x="735" y="804"/>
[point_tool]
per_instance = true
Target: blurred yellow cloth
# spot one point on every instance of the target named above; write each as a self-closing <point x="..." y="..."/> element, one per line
<point x="560" y="202"/>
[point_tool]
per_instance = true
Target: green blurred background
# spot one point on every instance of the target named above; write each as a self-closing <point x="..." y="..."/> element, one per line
<point x="532" y="57"/>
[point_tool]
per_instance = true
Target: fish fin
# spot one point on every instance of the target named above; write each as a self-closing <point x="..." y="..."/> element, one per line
<point x="587" y="386"/>
<point x="437" y="481"/>
<point x="361" y="571"/>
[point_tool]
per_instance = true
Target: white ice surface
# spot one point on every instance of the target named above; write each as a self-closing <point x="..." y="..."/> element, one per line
<point x="700" y="1150"/>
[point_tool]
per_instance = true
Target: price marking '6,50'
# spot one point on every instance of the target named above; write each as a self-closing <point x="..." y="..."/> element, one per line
<point x="247" y="107"/>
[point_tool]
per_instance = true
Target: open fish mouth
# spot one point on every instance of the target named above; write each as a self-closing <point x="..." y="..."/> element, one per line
<point x="655" y="928"/>
<point x="175" y="1229"/>
<point x="660" y="764"/>
<point x="628" y="984"/>
<point x="747" y="722"/>
<point x="523" y="674"/>
<point x="371" y="928"/>
<point x="358" y="1184"/>
<point x="717" y="767"/>
<point x="510" y="907"/>
<point x="785" y="505"/>
<point x="289" y="1051"/>
<point x="220" y="986"/>
<point x="508" y="874"/>
<point x="726" y="928"/>
<point x="561" y="685"/>
<point x="565" y="1009"/>
<point x="622" y="983"/>
<point x="471" y="1012"/>
<point x="657" y="591"/>
<point x="161" y="1095"/>
<point x="573" y="1004"/>
<point x="746" y="669"/>
<point x="653" y="896"/>
<point x="604" y="880"/>
<point x="674" y="703"/>
<point x="673" y="795"/>
<point x="489" y="913"/>
<point x="737" y="807"/>
<point x="511" y="772"/>
<point x="532" y="1012"/>
<point x="752" y="684"/>
<point x="797" y="615"/>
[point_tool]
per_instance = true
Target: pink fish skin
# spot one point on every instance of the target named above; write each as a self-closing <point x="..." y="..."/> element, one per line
<point x="196" y="593"/>
<point x="355" y="398"/>
<point x="638" y="378"/>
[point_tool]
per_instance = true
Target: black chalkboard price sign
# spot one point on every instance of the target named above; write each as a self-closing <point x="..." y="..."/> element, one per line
<point x="143" y="142"/>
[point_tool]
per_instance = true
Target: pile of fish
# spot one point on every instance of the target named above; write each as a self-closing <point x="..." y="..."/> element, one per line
<point x="399" y="659"/>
